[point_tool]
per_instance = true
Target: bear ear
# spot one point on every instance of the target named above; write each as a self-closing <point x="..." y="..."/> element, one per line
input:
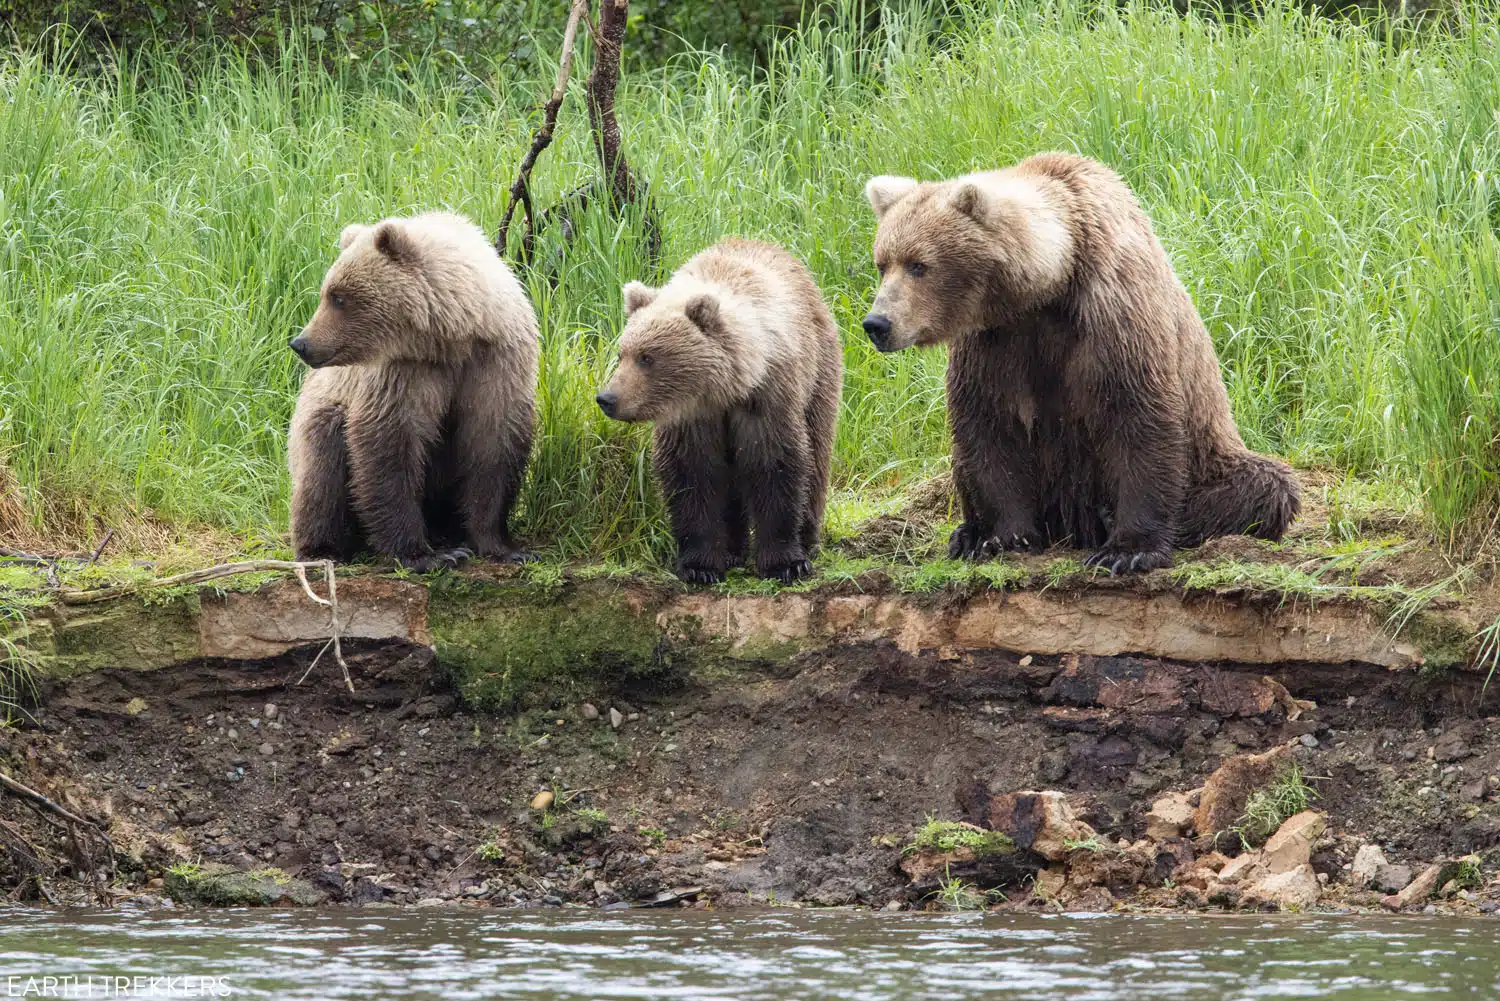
<point x="392" y="240"/>
<point x="886" y="190"/>
<point x="703" y="310"/>
<point x="638" y="296"/>
<point x="969" y="200"/>
<point x="351" y="232"/>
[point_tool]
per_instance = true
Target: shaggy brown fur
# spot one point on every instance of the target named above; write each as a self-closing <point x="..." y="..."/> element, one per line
<point x="1083" y="389"/>
<point x="413" y="429"/>
<point x="738" y="362"/>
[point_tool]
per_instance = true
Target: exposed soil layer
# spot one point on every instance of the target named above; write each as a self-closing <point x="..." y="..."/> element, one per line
<point x="787" y="781"/>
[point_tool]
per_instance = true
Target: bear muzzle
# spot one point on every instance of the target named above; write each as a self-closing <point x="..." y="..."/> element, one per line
<point x="878" y="327"/>
<point x="311" y="356"/>
<point x="609" y="402"/>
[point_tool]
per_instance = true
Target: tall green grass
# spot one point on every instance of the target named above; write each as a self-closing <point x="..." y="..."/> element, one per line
<point x="1327" y="196"/>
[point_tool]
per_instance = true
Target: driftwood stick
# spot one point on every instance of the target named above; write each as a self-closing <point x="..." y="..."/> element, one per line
<point x="191" y="577"/>
<point x="520" y="191"/>
<point x="102" y="543"/>
<point x="40" y="802"/>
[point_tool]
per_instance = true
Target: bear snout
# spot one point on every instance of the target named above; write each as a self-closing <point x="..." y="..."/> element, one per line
<point x="303" y="348"/>
<point x="609" y="402"/>
<point x="299" y="346"/>
<point x="878" y="326"/>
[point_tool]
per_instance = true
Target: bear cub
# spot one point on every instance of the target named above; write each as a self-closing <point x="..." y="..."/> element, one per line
<point x="738" y="362"/>
<point x="413" y="428"/>
<point x="1083" y="389"/>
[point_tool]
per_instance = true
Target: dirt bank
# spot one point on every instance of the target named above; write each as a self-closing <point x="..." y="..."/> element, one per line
<point x="774" y="780"/>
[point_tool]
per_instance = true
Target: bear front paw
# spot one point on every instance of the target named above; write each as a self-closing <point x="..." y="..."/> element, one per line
<point x="1120" y="560"/>
<point x="700" y="575"/>
<point x="788" y="568"/>
<point x="970" y="542"/>
<point x="442" y="559"/>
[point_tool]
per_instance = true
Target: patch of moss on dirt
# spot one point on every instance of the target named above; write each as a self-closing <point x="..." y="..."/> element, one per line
<point x="504" y="642"/>
<point x="215" y="884"/>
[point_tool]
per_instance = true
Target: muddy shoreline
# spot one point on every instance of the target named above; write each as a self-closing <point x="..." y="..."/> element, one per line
<point x="798" y="779"/>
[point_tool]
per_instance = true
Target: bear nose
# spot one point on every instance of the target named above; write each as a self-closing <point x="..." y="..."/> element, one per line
<point x="878" y="326"/>
<point x="299" y="346"/>
<point x="607" y="402"/>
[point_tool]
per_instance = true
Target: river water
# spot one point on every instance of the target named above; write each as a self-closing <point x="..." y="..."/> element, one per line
<point x="394" y="956"/>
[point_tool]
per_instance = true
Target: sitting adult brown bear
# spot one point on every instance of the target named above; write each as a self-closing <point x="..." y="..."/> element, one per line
<point x="412" y="430"/>
<point x="1083" y="390"/>
<point x="738" y="362"/>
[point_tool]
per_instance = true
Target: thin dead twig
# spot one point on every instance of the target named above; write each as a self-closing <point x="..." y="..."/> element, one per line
<point x="102" y="543"/>
<point x="332" y="602"/>
<point x="520" y="191"/>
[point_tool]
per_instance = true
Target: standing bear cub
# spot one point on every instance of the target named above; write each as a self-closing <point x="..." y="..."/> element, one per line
<point x="1083" y="390"/>
<point x="738" y="362"/>
<point x="412" y="431"/>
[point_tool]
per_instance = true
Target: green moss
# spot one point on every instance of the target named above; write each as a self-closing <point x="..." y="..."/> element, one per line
<point x="507" y="643"/>
<point x="951" y="835"/>
<point x="218" y="885"/>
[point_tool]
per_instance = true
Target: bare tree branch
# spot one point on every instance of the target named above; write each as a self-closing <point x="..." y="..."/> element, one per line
<point x="520" y="191"/>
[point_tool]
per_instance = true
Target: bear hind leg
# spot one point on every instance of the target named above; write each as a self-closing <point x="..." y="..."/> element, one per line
<point x="1247" y="494"/>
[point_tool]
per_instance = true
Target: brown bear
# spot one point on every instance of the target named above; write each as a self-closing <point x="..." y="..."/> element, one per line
<point x="414" y="425"/>
<point x="1083" y="390"/>
<point x="738" y="362"/>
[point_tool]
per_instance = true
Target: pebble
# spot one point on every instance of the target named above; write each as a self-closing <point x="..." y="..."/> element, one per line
<point x="633" y="717"/>
<point x="615" y="719"/>
<point x="542" y="800"/>
<point x="1308" y="740"/>
<point x="1489" y="906"/>
<point x="894" y="905"/>
<point x="1024" y="662"/>
<point x="270" y="710"/>
<point x="233" y="734"/>
<point x="590" y="711"/>
<point x="267" y="749"/>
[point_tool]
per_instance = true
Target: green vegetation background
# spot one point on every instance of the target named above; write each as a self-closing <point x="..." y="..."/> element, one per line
<point x="1327" y="191"/>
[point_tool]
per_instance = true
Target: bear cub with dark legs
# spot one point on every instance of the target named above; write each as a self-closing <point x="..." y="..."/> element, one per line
<point x="738" y="363"/>
<point x="1083" y="390"/>
<point x="413" y="428"/>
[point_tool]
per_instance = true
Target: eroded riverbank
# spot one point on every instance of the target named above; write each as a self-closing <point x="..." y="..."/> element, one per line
<point x="700" y="750"/>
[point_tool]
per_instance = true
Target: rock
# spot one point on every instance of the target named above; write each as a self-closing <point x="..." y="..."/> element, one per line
<point x="542" y="800"/>
<point x="267" y="750"/>
<point x="1308" y="740"/>
<point x="1227" y="789"/>
<point x="1489" y="906"/>
<point x="1291" y="846"/>
<point x="1391" y="878"/>
<point x="1419" y="889"/>
<point x="1041" y="822"/>
<point x="1171" y="816"/>
<point x="431" y="902"/>
<point x="590" y="711"/>
<point x="1453" y="745"/>
<point x="615" y="718"/>
<point x="270" y="711"/>
<point x="1246" y="868"/>
<point x="218" y="885"/>
<point x="1296" y="889"/>
<point x="1367" y="861"/>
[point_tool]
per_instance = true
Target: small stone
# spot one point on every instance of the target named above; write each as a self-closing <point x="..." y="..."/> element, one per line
<point x="1294" y="890"/>
<point x="431" y="902"/>
<point x="633" y="717"/>
<point x="1367" y="861"/>
<point x="434" y="853"/>
<point x="542" y="800"/>
<point x="1418" y="890"/>
<point x="1291" y="846"/>
<point x="590" y="711"/>
<point x="1248" y="867"/>
<point x="1025" y="661"/>
<point x="1169" y="817"/>
<point x="270" y="711"/>
<point x="267" y="750"/>
<point x="233" y="734"/>
<point x="1308" y="740"/>
<point x="893" y="905"/>
<point x="1391" y="878"/>
<point x="1489" y="906"/>
<point x="615" y="719"/>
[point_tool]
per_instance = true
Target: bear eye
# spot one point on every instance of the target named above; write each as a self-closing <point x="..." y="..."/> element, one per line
<point x="646" y="361"/>
<point x="881" y="267"/>
<point x="337" y="300"/>
<point x="916" y="269"/>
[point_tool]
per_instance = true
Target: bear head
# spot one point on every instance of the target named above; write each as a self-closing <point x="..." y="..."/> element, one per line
<point x="956" y="257"/>
<point x="683" y="353"/>
<point x="375" y="304"/>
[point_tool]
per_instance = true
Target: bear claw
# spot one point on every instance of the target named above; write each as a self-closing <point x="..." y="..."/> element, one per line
<point x="967" y="542"/>
<point x="443" y="559"/>
<point x="789" y="573"/>
<point x="701" y="575"/>
<point x="1122" y="561"/>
